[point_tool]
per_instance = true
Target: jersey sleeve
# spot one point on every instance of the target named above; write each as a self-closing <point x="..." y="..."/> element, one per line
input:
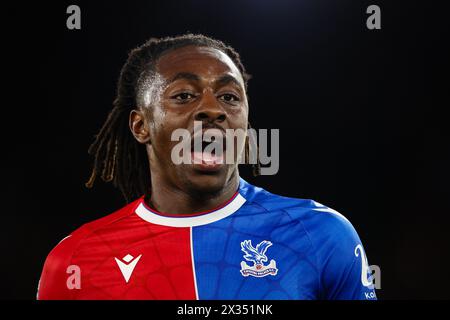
<point x="343" y="264"/>
<point x="53" y="281"/>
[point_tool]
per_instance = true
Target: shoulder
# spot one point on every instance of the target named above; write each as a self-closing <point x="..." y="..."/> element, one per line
<point x="54" y="271"/>
<point x="324" y="225"/>
<point x="274" y="202"/>
<point x="320" y="222"/>
<point x="332" y="237"/>
<point x="69" y="243"/>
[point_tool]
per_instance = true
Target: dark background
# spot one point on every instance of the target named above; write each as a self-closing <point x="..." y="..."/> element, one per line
<point x="360" y="113"/>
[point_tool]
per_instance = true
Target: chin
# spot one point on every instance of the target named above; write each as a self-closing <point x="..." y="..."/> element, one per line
<point x="204" y="183"/>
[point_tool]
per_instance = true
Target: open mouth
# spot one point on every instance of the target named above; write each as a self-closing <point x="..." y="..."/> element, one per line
<point x="208" y="149"/>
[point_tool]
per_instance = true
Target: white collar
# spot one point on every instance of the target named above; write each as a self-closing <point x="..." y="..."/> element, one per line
<point x="180" y="221"/>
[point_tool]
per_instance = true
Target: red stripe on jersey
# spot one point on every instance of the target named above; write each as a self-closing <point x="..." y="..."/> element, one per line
<point x="157" y="258"/>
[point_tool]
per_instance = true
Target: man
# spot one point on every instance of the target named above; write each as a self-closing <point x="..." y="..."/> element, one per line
<point x="196" y="230"/>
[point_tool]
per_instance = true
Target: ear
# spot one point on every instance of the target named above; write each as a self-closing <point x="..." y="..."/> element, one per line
<point x="139" y="127"/>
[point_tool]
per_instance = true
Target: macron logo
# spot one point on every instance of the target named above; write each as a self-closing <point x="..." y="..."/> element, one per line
<point x="128" y="266"/>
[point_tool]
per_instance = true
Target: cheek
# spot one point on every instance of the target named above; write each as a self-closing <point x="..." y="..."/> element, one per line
<point x="156" y="119"/>
<point x="162" y="125"/>
<point x="239" y="119"/>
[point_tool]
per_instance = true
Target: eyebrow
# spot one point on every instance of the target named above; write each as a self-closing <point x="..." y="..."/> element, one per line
<point x="226" y="79"/>
<point x="223" y="80"/>
<point x="186" y="76"/>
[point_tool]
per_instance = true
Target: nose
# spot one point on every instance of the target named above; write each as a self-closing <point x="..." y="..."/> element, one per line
<point x="209" y="109"/>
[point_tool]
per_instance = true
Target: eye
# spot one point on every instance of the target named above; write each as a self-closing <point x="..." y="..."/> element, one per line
<point x="228" y="97"/>
<point x="183" y="97"/>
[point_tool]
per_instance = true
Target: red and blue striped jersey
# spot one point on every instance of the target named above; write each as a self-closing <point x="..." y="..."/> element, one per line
<point x="255" y="246"/>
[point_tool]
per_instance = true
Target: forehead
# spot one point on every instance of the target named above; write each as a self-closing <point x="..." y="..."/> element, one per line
<point x="203" y="61"/>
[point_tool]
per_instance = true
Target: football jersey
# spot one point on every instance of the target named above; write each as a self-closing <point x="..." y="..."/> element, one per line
<point x="255" y="246"/>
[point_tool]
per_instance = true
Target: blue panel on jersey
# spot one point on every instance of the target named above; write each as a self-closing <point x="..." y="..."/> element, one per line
<point x="212" y="249"/>
<point x="209" y="280"/>
<point x="311" y="254"/>
<point x="226" y="260"/>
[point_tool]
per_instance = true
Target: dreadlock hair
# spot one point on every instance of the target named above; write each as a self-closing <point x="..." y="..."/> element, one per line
<point x="118" y="157"/>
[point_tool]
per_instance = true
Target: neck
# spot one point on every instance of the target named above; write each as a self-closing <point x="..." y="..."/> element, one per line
<point x="168" y="198"/>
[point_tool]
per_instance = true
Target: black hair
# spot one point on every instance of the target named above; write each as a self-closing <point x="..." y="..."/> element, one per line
<point x="118" y="156"/>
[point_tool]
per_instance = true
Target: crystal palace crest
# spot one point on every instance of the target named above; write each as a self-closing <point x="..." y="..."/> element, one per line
<point x="258" y="257"/>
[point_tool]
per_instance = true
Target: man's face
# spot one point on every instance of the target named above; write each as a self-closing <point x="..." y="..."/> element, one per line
<point x="198" y="84"/>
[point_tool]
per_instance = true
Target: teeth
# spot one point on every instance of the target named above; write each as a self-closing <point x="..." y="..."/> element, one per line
<point x="206" y="158"/>
<point x="209" y="158"/>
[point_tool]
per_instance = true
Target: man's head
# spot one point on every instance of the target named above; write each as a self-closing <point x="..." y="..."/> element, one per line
<point x="167" y="84"/>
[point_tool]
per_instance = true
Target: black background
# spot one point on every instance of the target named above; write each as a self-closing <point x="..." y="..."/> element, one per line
<point x="360" y="113"/>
